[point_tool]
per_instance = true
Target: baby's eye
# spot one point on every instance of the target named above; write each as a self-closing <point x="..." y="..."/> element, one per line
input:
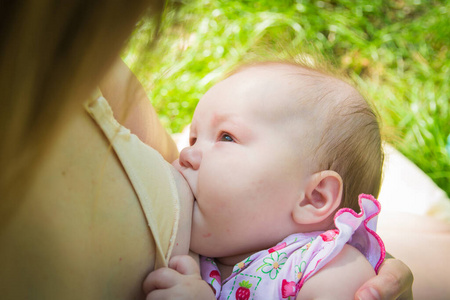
<point x="225" y="137"/>
<point x="192" y="141"/>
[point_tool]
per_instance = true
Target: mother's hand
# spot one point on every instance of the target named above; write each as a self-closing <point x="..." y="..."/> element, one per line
<point x="394" y="281"/>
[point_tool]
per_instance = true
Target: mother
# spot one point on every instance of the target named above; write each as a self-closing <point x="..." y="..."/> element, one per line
<point x="72" y="224"/>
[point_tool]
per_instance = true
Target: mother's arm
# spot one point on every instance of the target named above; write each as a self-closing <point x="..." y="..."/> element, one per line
<point x="132" y="108"/>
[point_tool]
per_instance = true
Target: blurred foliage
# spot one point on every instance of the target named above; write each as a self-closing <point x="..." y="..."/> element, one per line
<point x="396" y="51"/>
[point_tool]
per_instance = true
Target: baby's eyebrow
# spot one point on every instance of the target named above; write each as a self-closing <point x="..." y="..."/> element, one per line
<point x="218" y="119"/>
<point x="233" y="123"/>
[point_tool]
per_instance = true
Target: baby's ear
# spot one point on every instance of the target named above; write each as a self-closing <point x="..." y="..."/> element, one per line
<point x="323" y="194"/>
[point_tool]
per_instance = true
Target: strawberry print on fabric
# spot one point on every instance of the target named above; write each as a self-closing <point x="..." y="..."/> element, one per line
<point x="243" y="292"/>
<point x="288" y="289"/>
<point x="243" y="286"/>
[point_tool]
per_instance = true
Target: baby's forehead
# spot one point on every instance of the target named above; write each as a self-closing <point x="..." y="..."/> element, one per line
<point x="312" y="94"/>
<point x="297" y="76"/>
<point x="303" y="85"/>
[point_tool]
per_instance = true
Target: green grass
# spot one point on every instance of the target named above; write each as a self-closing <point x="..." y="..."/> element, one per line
<point x="396" y="51"/>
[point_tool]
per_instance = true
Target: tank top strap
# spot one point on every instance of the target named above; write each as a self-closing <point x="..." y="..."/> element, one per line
<point x="149" y="174"/>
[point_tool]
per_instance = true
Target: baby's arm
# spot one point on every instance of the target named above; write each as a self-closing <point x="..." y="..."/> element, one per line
<point x="340" y="278"/>
<point x="181" y="280"/>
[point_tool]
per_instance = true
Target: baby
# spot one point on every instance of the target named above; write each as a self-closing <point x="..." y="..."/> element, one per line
<point x="281" y="156"/>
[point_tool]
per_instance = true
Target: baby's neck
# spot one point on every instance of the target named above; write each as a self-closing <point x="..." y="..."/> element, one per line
<point x="226" y="264"/>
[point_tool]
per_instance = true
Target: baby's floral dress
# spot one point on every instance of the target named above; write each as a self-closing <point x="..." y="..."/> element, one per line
<point x="281" y="271"/>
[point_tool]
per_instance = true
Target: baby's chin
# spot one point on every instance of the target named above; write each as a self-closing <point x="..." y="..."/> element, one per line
<point x="201" y="249"/>
<point x="212" y="250"/>
<point x="225" y="254"/>
<point x="206" y="245"/>
<point x="203" y="241"/>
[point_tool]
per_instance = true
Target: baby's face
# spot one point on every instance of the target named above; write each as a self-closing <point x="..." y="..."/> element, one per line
<point x="246" y="164"/>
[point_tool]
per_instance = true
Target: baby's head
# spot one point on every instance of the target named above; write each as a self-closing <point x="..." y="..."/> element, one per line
<point x="275" y="149"/>
<point x="345" y="137"/>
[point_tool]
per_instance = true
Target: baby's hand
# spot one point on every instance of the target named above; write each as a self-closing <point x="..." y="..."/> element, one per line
<point x="180" y="281"/>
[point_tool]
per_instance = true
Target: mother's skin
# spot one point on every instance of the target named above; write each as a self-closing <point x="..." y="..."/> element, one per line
<point x="423" y="243"/>
<point x="80" y="232"/>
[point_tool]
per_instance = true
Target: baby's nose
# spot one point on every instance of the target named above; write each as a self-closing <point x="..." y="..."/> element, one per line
<point x="190" y="157"/>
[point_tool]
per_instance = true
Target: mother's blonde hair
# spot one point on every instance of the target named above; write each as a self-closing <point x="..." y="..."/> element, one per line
<point x="52" y="55"/>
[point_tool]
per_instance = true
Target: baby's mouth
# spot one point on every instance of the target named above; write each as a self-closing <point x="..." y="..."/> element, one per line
<point x="188" y="183"/>
<point x="180" y="170"/>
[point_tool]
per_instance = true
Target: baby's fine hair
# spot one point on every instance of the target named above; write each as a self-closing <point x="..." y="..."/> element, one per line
<point x="350" y="143"/>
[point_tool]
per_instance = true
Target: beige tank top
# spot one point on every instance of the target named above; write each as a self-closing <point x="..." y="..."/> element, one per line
<point x="149" y="175"/>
